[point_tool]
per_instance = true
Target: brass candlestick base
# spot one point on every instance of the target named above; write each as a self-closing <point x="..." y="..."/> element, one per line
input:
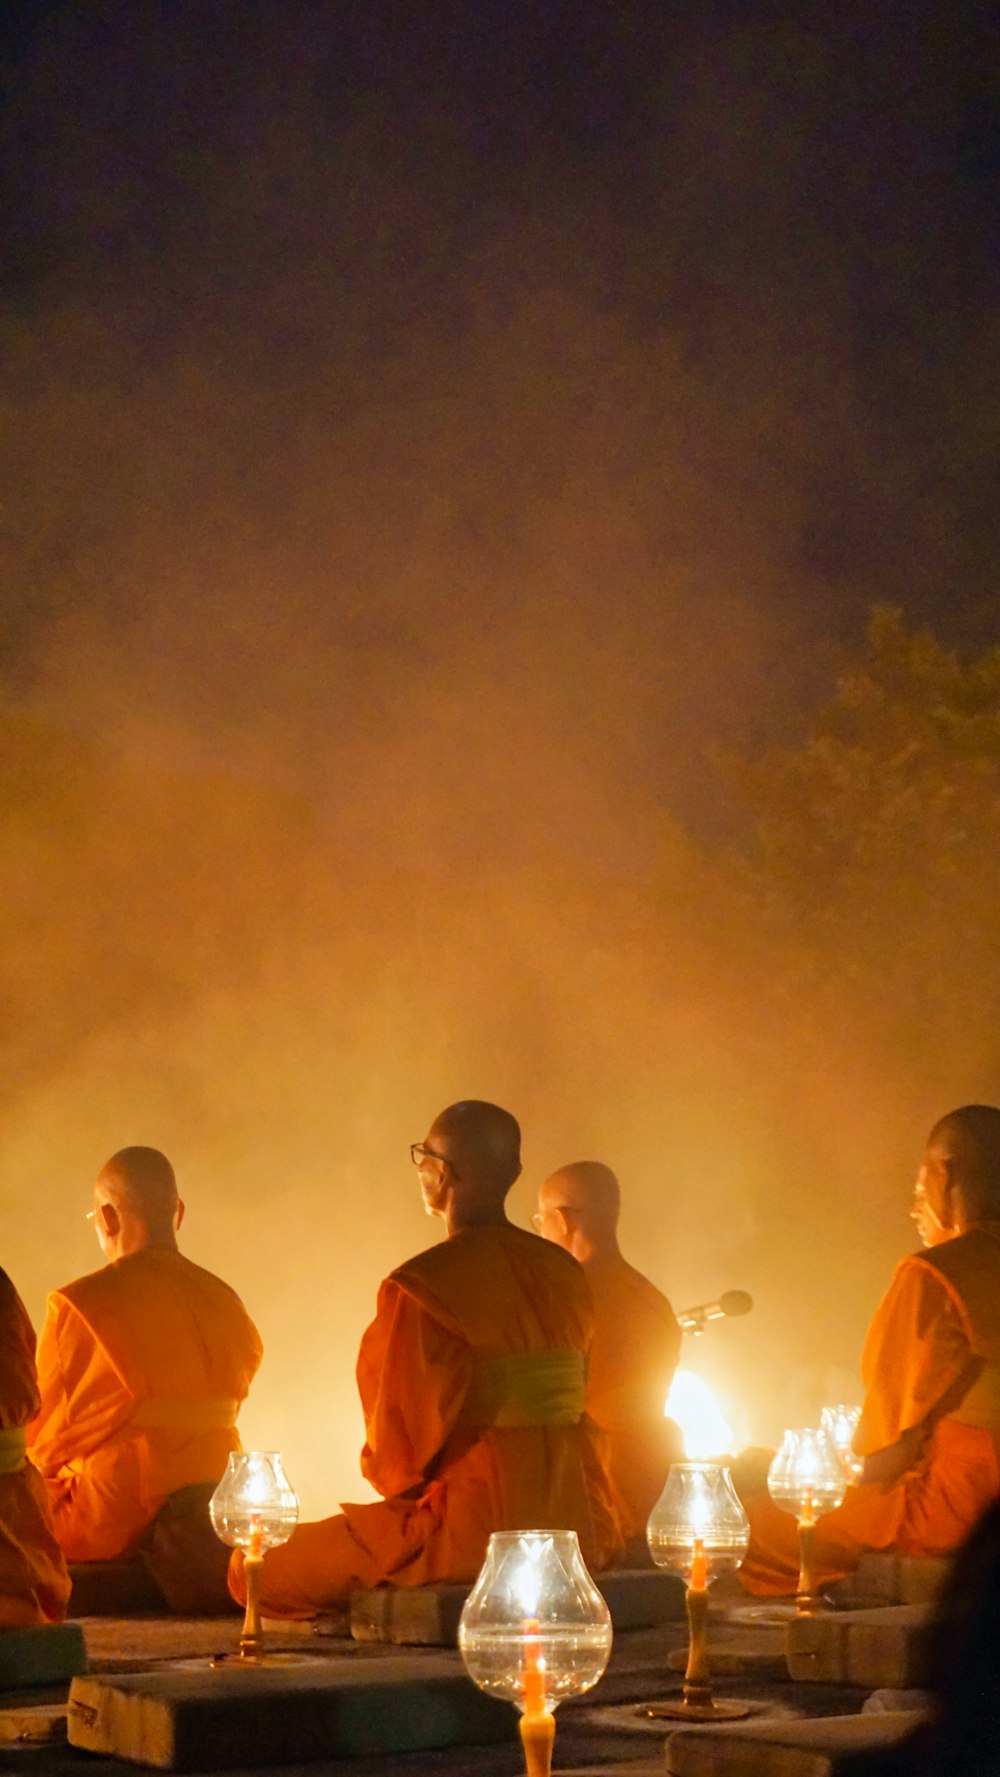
<point x="538" y="1731"/>
<point x="251" y="1652"/>
<point x="808" y="1603"/>
<point x="697" y="1703"/>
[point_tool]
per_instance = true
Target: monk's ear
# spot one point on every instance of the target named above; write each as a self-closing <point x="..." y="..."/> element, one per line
<point x="180" y="1212"/>
<point x="109" y="1219"/>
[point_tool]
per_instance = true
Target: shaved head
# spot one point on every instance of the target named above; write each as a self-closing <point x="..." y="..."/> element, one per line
<point x="140" y="1183"/>
<point x="589" y="1187"/>
<point x="481" y="1141"/>
<point x="969" y="1141"/>
<point x="578" y="1210"/>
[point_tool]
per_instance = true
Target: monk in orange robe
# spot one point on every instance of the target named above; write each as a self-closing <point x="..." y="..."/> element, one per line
<point x="142" y="1368"/>
<point x="34" y="1584"/>
<point x="930" y="1425"/>
<point x="472" y="1382"/>
<point x="637" y="1339"/>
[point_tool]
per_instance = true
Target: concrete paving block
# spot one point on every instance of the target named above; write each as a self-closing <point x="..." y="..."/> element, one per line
<point x="28" y="1724"/>
<point x="197" y="1718"/>
<point x="428" y="1616"/>
<point x="874" y="1649"/>
<point x="892" y="1579"/>
<point x="782" y="1748"/>
<point x="30" y="1658"/>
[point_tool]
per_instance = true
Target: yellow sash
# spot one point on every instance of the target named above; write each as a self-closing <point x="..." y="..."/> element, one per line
<point x="13" y="1445"/>
<point x="527" y="1388"/>
<point x="178" y="1412"/>
<point x="981" y="1406"/>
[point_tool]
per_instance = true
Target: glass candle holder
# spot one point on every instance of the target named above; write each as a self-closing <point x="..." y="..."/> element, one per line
<point x="535" y="1630"/>
<point x="807" y="1478"/>
<point x="840" y="1424"/>
<point x="699" y="1529"/>
<point x="254" y="1508"/>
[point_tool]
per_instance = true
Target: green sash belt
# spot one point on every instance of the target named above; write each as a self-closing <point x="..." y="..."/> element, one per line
<point x="527" y="1388"/>
<point x="178" y="1412"/>
<point x="981" y="1406"/>
<point x="13" y="1446"/>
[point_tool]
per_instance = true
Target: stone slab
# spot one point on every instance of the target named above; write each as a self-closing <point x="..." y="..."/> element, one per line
<point x="196" y="1718"/>
<point x="428" y="1616"/>
<point x="874" y="1649"/>
<point x="892" y="1579"/>
<point x="782" y="1748"/>
<point x="740" y="1653"/>
<point x="31" y="1658"/>
<point x="30" y="1724"/>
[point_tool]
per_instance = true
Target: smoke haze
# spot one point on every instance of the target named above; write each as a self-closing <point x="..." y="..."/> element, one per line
<point x="425" y="445"/>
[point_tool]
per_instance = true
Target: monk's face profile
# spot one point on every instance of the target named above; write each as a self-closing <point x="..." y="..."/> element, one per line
<point x="554" y="1220"/>
<point x="435" y="1169"/>
<point x="931" y="1209"/>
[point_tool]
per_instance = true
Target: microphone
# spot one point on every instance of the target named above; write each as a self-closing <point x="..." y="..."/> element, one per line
<point x="733" y="1302"/>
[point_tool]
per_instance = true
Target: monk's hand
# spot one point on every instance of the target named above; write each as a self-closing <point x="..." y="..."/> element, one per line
<point x="883" y="1468"/>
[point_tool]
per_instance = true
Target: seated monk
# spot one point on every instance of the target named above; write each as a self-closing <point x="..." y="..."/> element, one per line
<point x="636" y="1343"/>
<point x="471" y="1377"/>
<point x="34" y="1584"/>
<point x="142" y="1367"/>
<point x="930" y="1424"/>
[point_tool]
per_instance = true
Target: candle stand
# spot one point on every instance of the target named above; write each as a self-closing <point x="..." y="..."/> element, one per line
<point x="536" y="1630"/>
<point x="254" y="1508"/>
<point x="807" y="1478"/>
<point x="698" y="1528"/>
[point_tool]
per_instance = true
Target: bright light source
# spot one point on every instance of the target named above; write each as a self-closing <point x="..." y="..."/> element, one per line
<point x="694" y="1407"/>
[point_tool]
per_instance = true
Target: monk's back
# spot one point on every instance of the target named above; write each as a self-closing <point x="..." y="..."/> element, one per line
<point x="503" y="1290"/>
<point x="167" y="1326"/>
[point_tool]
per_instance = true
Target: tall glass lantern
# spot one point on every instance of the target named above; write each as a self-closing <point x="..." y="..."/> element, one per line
<point x="254" y="1508"/>
<point x="535" y="1630"/>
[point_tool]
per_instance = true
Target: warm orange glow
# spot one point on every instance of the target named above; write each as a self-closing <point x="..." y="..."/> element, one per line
<point x="693" y="1406"/>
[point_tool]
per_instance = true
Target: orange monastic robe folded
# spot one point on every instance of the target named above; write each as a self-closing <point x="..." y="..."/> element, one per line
<point x="142" y="1367"/>
<point x="34" y="1584"/>
<point x="637" y="1342"/>
<point x="472" y="1382"/>
<point x="941" y="1312"/>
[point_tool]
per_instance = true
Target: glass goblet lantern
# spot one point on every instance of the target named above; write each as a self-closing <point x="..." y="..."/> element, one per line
<point x="536" y="1630"/>
<point x="807" y="1478"/>
<point x="254" y="1508"/>
<point x="699" y="1529"/>
<point x="840" y="1424"/>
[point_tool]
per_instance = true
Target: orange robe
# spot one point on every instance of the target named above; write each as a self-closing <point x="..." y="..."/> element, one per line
<point x="637" y="1342"/>
<point x="34" y="1584"/>
<point x="941" y="1311"/>
<point x="142" y="1367"/>
<point x="472" y="1381"/>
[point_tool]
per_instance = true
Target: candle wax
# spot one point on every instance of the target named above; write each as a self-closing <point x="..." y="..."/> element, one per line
<point x="699" y="1566"/>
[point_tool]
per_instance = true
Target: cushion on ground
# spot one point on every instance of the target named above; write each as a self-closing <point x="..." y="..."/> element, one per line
<point x="31" y="1658"/>
<point x="428" y="1616"/>
<point x="870" y="1648"/>
<point x="113" y="1589"/>
<point x="205" y="1719"/>
<point x="782" y="1748"/>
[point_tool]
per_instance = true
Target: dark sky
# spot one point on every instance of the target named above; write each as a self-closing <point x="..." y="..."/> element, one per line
<point x="721" y="267"/>
<point x="426" y="434"/>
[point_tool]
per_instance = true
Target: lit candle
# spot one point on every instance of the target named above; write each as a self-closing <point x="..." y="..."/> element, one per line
<point x="533" y="1669"/>
<point x="699" y="1567"/>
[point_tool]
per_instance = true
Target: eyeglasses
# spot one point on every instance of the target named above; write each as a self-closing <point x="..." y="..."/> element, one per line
<point x="419" y="1152"/>
<point x="90" y="1215"/>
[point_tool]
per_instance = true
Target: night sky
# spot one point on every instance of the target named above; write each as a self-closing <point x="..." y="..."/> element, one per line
<point x="429" y="435"/>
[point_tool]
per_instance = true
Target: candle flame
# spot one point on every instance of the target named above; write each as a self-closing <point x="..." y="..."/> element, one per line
<point x="692" y="1404"/>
